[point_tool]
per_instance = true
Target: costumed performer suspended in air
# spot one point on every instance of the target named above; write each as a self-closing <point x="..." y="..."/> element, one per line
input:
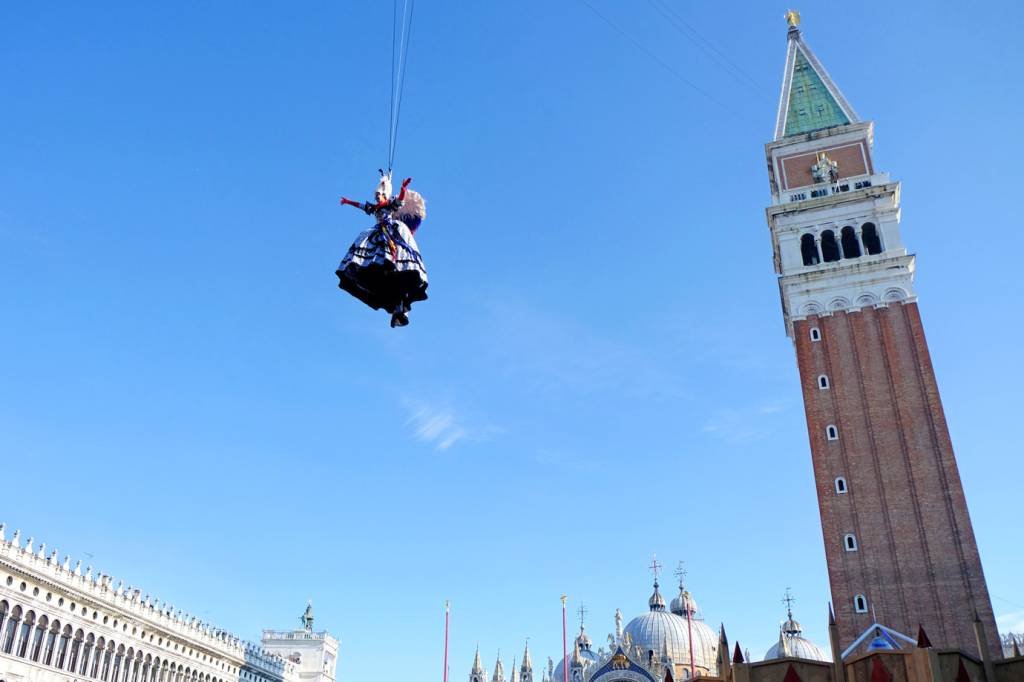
<point x="383" y="267"/>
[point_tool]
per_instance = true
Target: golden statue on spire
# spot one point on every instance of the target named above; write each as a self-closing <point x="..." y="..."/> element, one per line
<point x="792" y="18"/>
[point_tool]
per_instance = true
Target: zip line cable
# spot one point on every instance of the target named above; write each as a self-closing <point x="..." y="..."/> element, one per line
<point x="391" y="101"/>
<point x="688" y="31"/>
<point x="399" y="63"/>
<point x="643" y="48"/>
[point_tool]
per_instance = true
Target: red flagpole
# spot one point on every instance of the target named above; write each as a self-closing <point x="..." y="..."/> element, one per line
<point x="565" y="653"/>
<point x="446" y="611"/>
<point x="689" y="632"/>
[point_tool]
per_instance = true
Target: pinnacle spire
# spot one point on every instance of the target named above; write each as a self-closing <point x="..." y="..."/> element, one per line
<point x="527" y="666"/>
<point x="922" y="638"/>
<point x="783" y="645"/>
<point x="809" y="100"/>
<point x="499" y="670"/>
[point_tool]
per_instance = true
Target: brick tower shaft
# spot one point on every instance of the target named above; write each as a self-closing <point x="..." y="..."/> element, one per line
<point x="898" y="538"/>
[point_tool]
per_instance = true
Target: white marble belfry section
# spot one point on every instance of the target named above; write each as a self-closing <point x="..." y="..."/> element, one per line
<point x="60" y="622"/>
<point x="804" y="220"/>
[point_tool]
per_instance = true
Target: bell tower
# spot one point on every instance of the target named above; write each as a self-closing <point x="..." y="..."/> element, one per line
<point x="898" y="538"/>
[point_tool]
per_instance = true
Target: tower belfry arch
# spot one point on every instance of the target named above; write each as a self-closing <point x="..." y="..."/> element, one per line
<point x="899" y="544"/>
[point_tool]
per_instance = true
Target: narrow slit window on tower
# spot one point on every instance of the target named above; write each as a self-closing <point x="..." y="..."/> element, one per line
<point x="841" y="487"/>
<point x="850" y="542"/>
<point x="808" y="249"/>
<point x="822" y="381"/>
<point x="872" y="242"/>
<point x="832" y="432"/>
<point x="829" y="247"/>
<point x="815" y="334"/>
<point x="851" y="249"/>
<point x="860" y="604"/>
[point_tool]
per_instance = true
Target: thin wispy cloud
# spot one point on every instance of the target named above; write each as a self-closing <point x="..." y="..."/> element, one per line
<point x="741" y="426"/>
<point x="440" y="425"/>
<point x="546" y="352"/>
<point x="1011" y="622"/>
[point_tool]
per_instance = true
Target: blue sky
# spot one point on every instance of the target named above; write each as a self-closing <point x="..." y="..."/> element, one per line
<point x="601" y="372"/>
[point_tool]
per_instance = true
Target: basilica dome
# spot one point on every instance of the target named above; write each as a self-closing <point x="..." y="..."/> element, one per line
<point x="661" y="632"/>
<point x="792" y="644"/>
<point x="586" y="654"/>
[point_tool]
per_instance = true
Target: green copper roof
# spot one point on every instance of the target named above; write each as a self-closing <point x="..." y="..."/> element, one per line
<point x="811" y="105"/>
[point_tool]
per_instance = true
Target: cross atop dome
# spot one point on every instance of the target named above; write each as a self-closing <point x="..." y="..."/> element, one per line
<point x="656" y="602"/>
<point x="788" y="600"/>
<point x="655" y="568"/>
<point x="681" y="574"/>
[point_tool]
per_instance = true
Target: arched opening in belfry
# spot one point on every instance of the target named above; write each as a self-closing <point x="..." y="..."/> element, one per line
<point x="809" y="249"/>
<point x="829" y="247"/>
<point x="851" y="248"/>
<point x="872" y="242"/>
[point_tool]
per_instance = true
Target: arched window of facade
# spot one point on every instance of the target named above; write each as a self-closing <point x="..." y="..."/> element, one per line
<point x="146" y="667"/>
<point x="25" y="637"/>
<point x="108" y="658"/>
<point x="90" y="641"/>
<point x="137" y="667"/>
<point x="13" y="622"/>
<point x="860" y="604"/>
<point x="37" y="641"/>
<point x="62" y="647"/>
<point x="808" y="249"/>
<point x="829" y="247"/>
<point x="51" y="642"/>
<point x="851" y="247"/>
<point x="872" y="242"/>
<point x="76" y="650"/>
<point x="129" y="660"/>
<point x="97" y="660"/>
<point x="831" y="432"/>
<point x="118" y="662"/>
<point x="822" y="381"/>
<point x="157" y="674"/>
<point x="850" y="542"/>
<point x="841" y="487"/>
<point x="4" y="607"/>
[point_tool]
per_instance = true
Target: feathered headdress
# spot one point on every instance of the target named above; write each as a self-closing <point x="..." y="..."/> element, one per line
<point x="384" y="186"/>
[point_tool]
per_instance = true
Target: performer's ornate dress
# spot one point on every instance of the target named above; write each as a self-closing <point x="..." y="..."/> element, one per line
<point x="383" y="267"/>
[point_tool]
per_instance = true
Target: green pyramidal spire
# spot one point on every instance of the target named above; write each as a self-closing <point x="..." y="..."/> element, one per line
<point x="809" y="100"/>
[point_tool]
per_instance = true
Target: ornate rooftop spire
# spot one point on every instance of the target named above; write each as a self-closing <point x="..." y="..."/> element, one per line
<point x="656" y="602"/>
<point x="809" y="100"/>
<point x="783" y="645"/>
<point x="499" y="670"/>
<point x="477" y="674"/>
<point x="583" y="640"/>
<point x="791" y="628"/>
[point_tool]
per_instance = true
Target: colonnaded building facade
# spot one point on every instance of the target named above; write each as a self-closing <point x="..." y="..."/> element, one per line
<point x="59" y="623"/>
<point x="909" y="593"/>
